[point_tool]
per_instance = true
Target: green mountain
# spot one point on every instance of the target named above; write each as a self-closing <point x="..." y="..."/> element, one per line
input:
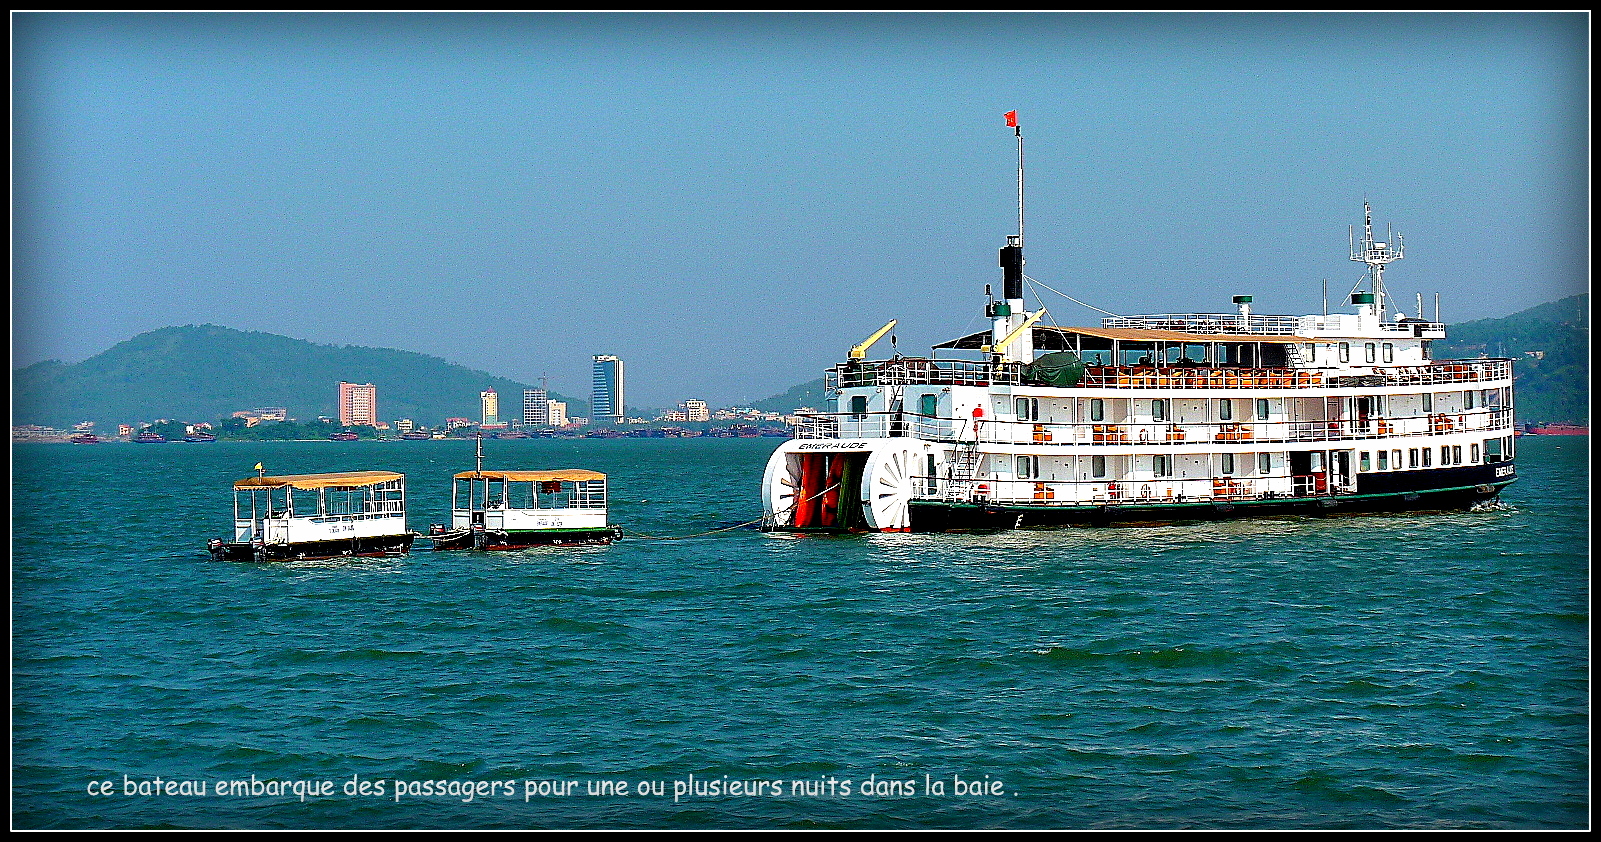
<point x="1550" y="347"/>
<point x="203" y="373"/>
<point x="806" y="394"/>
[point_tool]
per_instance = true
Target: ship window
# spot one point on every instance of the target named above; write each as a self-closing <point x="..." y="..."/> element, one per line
<point x="1264" y="463"/>
<point x="1467" y="400"/>
<point x="1345" y="352"/>
<point x="1261" y="409"/>
<point x="1097" y="409"/>
<point x="1161" y="466"/>
<point x="1028" y="409"/>
<point x="1456" y="454"/>
<point x="1028" y="467"/>
<point x="1412" y="458"/>
<point x="1159" y="410"/>
<point x="1225" y="409"/>
<point x="1428" y="402"/>
<point x="928" y="405"/>
<point x="859" y="406"/>
<point x="1384" y="460"/>
<point x="1492" y="450"/>
<point x="931" y="484"/>
<point x="1473" y="454"/>
<point x="1428" y="457"/>
<point x="1389" y="352"/>
<point x="1395" y="459"/>
<point x="1098" y="466"/>
<point x="1368" y="352"/>
<point x="1228" y="463"/>
<point x="1445" y="454"/>
<point x="1365" y="463"/>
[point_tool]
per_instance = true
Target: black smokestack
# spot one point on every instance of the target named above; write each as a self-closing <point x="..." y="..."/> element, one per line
<point x="1012" y="270"/>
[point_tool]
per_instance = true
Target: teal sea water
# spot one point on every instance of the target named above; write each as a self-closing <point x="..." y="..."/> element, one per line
<point x="1406" y="671"/>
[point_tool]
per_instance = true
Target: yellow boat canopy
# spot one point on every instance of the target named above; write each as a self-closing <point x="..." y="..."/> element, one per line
<point x="565" y="475"/>
<point x="346" y="479"/>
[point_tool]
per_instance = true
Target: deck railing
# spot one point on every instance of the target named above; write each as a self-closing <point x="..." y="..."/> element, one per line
<point x="1110" y="491"/>
<point x="874" y="425"/>
<point x="912" y="372"/>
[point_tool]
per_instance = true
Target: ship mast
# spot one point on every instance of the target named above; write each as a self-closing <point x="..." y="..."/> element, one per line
<point x="1008" y="315"/>
<point x="1375" y="255"/>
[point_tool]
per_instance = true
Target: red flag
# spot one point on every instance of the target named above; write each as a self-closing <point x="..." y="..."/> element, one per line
<point x="1011" y="119"/>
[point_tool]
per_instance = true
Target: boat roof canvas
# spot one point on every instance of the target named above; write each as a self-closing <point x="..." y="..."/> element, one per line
<point x="345" y="479"/>
<point x="1121" y="334"/>
<point x="565" y="475"/>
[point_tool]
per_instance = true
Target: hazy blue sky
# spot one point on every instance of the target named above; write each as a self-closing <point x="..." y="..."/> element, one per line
<point x="728" y="202"/>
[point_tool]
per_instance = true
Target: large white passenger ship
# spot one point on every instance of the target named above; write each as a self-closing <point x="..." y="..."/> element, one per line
<point x="1150" y="419"/>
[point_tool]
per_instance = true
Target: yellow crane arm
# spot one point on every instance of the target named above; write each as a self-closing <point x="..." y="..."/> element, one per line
<point x="859" y="350"/>
<point x="1000" y="347"/>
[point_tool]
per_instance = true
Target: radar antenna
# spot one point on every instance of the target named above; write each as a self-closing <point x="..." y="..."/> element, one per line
<point x="1376" y="255"/>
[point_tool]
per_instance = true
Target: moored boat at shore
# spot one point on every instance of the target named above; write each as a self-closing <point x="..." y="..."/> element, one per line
<point x="1555" y="430"/>
<point x="1153" y="418"/>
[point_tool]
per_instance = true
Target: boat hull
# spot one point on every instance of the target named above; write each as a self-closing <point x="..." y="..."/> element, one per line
<point x="931" y="516"/>
<point x="373" y="546"/>
<point x="518" y="539"/>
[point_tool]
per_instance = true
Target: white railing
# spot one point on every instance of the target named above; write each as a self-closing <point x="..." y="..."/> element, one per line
<point x="1105" y="491"/>
<point x="1209" y="323"/>
<point x="916" y="371"/>
<point x="875" y="425"/>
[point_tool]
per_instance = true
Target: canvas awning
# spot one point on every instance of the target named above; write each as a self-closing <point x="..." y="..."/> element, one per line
<point x="563" y="475"/>
<point x="346" y="479"/>
<point x="1062" y="338"/>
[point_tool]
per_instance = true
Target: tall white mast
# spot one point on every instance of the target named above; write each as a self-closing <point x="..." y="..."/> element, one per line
<point x="1007" y="341"/>
<point x="1375" y="255"/>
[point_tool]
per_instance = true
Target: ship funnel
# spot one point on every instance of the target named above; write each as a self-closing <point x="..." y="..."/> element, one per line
<point x="1012" y="269"/>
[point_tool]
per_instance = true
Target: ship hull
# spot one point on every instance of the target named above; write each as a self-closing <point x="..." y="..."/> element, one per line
<point x="374" y="546"/>
<point x="933" y="516"/>
<point x="523" y="539"/>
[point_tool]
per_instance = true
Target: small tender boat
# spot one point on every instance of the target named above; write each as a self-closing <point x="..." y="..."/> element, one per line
<point x="149" y="437"/>
<point x="312" y="516"/>
<point x="508" y="510"/>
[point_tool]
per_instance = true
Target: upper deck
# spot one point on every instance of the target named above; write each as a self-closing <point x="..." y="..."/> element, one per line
<point x="913" y="371"/>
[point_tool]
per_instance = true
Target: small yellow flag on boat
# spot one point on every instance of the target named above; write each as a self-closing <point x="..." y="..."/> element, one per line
<point x="259" y="468"/>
